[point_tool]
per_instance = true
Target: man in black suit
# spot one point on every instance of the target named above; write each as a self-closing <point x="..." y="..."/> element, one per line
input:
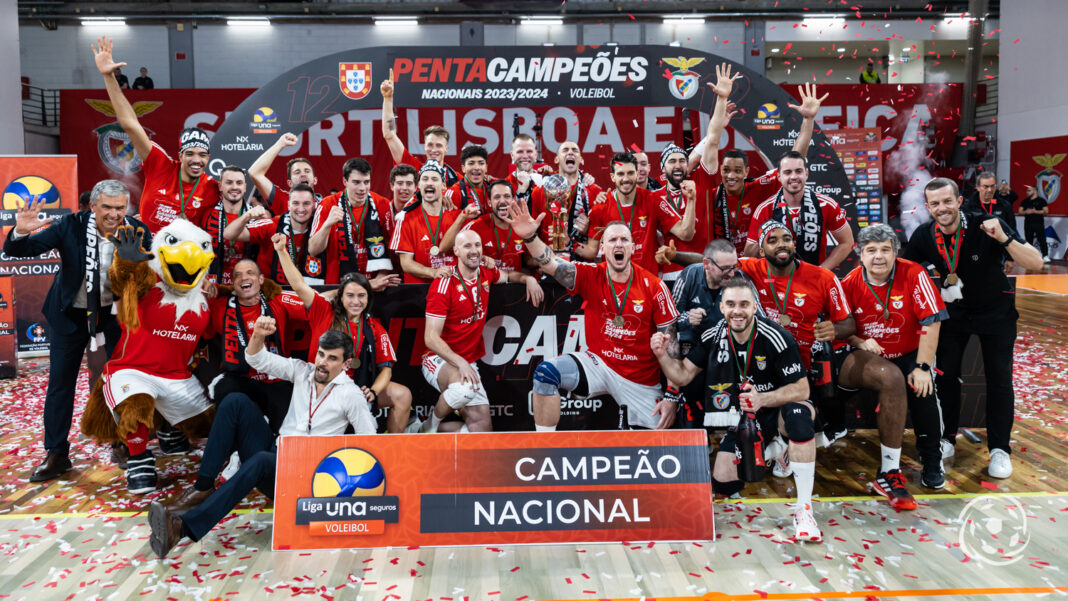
<point x="78" y="305"/>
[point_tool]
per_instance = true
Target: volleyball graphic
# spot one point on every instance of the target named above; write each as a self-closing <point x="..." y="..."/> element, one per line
<point x="349" y="473"/>
<point x="31" y="188"/>
<point x="768" y="111"/>
<point x="264" y="114"/>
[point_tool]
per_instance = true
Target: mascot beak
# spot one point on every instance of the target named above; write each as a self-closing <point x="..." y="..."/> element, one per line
<point x="184" y="265"/>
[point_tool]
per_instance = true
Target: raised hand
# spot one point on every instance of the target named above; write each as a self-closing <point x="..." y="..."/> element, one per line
<point x="689" y="190"/>
<point x="264" y="327"/>
<point x="520" y="220"/>
<point x="386" y="88"/>
<point x="289" y="139"/>
<point x="658" y="343"/>
<point x="810" y="104"/>
<point x="28" y="218"/>
<point x="128" y="244"/>
<point x="335" y="216"/>
<point x="278" y="241"/>
<point x="258" y="212"/>
<point x="384" y="280"/>
<point x="724" y="80"/>
<point x="102" y="55"/>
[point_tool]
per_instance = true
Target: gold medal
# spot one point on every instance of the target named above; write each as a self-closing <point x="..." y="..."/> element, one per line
<point x="356" y="363"/>
<point x="886" y="314"/>
<point x="434" y="251"/>
<point x="784" y="319"/>
<point x="952" y="279"/>
<point x="618" y="321"/>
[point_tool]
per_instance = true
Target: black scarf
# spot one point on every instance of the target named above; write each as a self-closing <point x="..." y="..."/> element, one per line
<point x="809" y="238"/>
<point x="450" y="176"/>
<point x="468" y="195"/>
<point x="722" y="208"/>
<point x="235" y="337"/>
<point x="310" y="267"/>
<point x="370" y="229"/>
<point x="214" y="226"/>
<point x="368" y="370"/>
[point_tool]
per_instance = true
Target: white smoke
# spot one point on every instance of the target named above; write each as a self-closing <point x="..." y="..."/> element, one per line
<point x="908" y="162"/>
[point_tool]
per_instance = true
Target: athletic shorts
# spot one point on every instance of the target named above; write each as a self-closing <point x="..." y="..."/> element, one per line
<point x="639" y="399"/>
<point x="176" y="400"/>
<point x="432" y="366"/>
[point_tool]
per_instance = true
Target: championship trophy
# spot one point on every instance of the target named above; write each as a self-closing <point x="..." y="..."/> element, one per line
<point x="557" y="204"/>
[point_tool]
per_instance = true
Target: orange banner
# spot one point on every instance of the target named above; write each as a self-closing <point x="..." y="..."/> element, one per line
<point x="8" y="361"/>
<point x="495" y="488"/>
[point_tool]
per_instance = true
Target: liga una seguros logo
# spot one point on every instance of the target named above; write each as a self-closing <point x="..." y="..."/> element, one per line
<point x="113" y="144"/>
<point x="684" y="83"/>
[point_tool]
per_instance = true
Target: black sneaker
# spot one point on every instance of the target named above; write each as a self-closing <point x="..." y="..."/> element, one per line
<point x="933" y="475"/>
<point x="172" y="441"/>
<point x="141" y="473"/>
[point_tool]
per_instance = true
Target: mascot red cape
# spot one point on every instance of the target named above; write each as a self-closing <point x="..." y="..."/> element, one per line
<point x="162" y="311"/>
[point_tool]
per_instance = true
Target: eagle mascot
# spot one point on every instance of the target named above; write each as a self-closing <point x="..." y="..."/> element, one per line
<point x="162" y="310"/>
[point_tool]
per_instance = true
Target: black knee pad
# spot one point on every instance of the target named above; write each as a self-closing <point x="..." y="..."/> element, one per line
<point x="797" y="420"/>
<point x="727" y="488"/>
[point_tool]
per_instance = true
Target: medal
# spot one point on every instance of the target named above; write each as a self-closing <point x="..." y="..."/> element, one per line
<point x="886" y="314"/>
<point x="784" y="319"/>
<point x="356" y="363"/>
<point x="620" y="304"/>
<point x="618" y="321"/>
<point x="434" y="251"/>
<point x="952" y="279"/>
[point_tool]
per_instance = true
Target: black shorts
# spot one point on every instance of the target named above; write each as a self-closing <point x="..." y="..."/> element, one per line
<point x="769" y="427"/>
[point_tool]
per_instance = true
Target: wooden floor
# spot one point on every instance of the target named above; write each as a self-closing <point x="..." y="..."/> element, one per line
<point x="83" y="538"/>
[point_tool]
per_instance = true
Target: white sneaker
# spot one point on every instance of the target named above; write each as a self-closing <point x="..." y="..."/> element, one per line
<point x="805" y="526"/>
<point x="825" y="441"/>
<point x="776" y="453"/>
<point x="231" y="467"/>
<point x="413" y="427"/>
<point x="1000" y="464"/>
<point x="1045" y="259"/>
<point x="948" y="451"/>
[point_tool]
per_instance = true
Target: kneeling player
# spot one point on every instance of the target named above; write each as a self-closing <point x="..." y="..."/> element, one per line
<point x="773" y="387"/>
<point x="455" y="317"/>
<point x="898" y="309"/>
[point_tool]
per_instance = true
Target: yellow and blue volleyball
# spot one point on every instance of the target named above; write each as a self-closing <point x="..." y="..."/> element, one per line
<point x="768" y="111"/>
<point x="31" y="188"/>
<point x="349" y="473"/>
<point x="264" y="113"/>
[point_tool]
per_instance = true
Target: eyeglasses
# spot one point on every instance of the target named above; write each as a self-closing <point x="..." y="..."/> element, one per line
<point x="726" y="269"/>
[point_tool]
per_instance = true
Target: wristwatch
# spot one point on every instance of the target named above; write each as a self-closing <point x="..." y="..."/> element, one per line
<point x="1007" y="242"/>
<point x="924" y="366"/>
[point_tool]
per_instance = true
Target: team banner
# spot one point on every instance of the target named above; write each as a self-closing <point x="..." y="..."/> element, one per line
<point x="8" y="340"/>
<point x="449" y="489"/>
<point x="1040" y="163"/>
<point x="52" y="181"/>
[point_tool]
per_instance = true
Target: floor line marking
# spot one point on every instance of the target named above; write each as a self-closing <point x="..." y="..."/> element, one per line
<point x="865" y="594"/>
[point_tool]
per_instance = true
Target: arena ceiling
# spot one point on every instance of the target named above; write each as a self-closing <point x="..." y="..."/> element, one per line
<point x="489" y="10"/>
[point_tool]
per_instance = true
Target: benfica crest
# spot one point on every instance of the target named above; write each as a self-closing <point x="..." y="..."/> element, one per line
<point x="355" y="79"/>
<point x="683" y="83"/>
<point x="113" y="144"/>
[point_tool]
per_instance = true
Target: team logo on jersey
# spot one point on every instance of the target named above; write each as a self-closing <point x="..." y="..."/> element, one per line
<point x="378" y="250"/>
<point x="799" y="299"/>
<point x="641" y="220"/>
<point x="313" y="266"/>
<point x="196" y="203"/>
<point x="762" y="362"/>
<point x="638" y="307"/>
<point x="125" y="388"/>
<point x="721" y="400"/>
<point x="897" y="303"/>
<point x="684" y="83"/>
<point x="518" y="245"/>
<point x="113" y="144"/>
<point x="485" y="285"/>
<point x="355" y="79"/>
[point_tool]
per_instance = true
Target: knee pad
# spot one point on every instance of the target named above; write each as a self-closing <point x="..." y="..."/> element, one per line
<point x="559" y="373"/>
<point x="797" y="420"/>
<point x="458" y="394"/>
<point x="727" y="488"/>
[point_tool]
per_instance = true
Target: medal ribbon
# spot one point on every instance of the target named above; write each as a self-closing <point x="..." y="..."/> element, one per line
<point x="620" y="304"/>
<point x="940" y="241"/>
<point x="476" y="299"/>
<point x="633" y="211"/>
<point x="497" y="236"/>
<point x="786" y="296"/>
<point x="358" y="339"/>
<point x="181" y="196"/>
<point x="743" y="372"/>
<point x="437" y="226"/>
<point x="889" y="288"/>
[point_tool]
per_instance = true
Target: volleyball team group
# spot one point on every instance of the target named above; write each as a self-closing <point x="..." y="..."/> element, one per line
<point x="709" y="295"/>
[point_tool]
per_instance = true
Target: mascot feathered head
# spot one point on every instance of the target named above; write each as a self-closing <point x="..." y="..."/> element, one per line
<point x="182" y="256"/>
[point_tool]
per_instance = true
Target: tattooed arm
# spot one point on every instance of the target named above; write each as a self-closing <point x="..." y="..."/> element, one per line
<point x="526" y="227"/>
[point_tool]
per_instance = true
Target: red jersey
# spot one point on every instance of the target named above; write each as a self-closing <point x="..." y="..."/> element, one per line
<point x="463" y="193"/>
<point x="463" y="304"/>
<point x="812" y="290"/>
<point x="164" y="344"/>
<point x="503" y="245"/>
<point x="740" y="209"/>
<point x="913" y="301"/>
<point x="336" y="255"/>
<point x="410" y="159"/>
<point x="646" y="216"/>
<point x="260" y="232"/>
<point x="834" y="219"/>
<point x="160" y="199"/>
<point x="646" y="307"/>
<point x="418" y="233"/>
<point x="283" y="307"/>
<point x="537" y="204"/>
<point x="321" y="320"/>
<point x="227" y="254"/>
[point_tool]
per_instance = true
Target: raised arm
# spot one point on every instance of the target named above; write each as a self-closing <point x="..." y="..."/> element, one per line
<point x="448" y="239"/>
<point x="124" y="112"/>
<point x="526" y="227"/>
<point x="723" y="86"/>
<point x="296" y="281"/>
<point x="389" y="121"/>
<point x="237" y="230"/>
<point x="684" y="229"/>
<point x="258" y="170"/>
<point x="678" y="371"/>
<point x="809" y="107"/>
<point x="321" y="238"/>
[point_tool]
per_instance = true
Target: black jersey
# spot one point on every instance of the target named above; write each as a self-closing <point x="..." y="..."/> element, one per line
<point x="773" y="362"/>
